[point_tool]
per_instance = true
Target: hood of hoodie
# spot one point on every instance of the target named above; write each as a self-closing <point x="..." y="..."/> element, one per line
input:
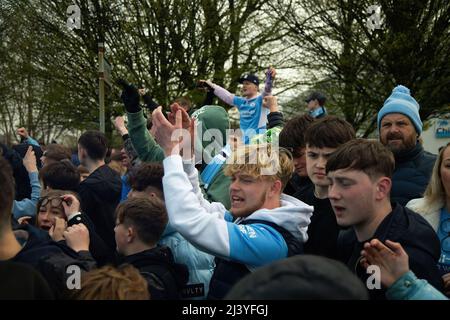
<point x="212" y="126"/>
<point x="105" y="182"/>
<point x="293" y="215"/>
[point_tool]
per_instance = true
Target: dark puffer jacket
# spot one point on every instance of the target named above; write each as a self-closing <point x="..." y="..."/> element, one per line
<point x="408" y="228"/>
<point x="412" y="174"/>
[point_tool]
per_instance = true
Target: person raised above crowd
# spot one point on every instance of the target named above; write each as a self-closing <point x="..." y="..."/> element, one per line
<point x="253" y="116"/>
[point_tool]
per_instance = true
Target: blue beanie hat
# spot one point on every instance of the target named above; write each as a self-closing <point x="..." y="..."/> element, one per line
<point x="400" y="101"/>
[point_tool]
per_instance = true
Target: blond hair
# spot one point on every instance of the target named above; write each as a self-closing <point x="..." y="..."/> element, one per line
<point x="109" y="283"/>
<point x="117" y="166"/>
<point x="265" y="161"/>
<point x="435" y="192"/>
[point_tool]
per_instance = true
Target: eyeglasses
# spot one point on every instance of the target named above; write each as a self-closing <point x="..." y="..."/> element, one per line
<point x="54" y="201"/>
<point x="445" y="243"/>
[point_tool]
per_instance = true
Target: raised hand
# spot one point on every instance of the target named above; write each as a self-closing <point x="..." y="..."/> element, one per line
<point x="168" y="135"/>
<point x="186" y="120"/>
<point x="273" y="72"/>
<point x="390" y="258"/>
<point x="71" y="204"/>
<point x="23" y="132"/>
<point x="77" y="237"/>
<point x="119" y="124"/>
<point x="271" y="103"/>
<point x="29" y="160"/>
<point x="130" y="96"/>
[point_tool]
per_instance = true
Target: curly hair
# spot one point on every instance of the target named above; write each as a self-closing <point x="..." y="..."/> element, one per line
<point x="109" y="283"/>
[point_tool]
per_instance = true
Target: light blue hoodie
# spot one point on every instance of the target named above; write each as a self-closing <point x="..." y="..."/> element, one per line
<point x="27" y="207"/>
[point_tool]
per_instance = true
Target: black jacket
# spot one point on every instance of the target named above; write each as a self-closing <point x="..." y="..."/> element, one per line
<point x="22" y="282"/>
<point x="50" y="258"/>
<point x="100" y="194"/>
<point x="412" y="174"/>
<point x="102" y="253"/>
<point x="165" y="278"/>
<point x="323" y="230"/>
<point x="298" y="186"/>
<point x="409" y="229"/>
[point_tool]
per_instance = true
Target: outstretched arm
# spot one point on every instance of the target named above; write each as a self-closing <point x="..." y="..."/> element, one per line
<point x="27" y="207"/>
<point x="220" y="92"/>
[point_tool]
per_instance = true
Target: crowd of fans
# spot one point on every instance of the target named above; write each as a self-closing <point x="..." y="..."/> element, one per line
<point x="189" y="209"/>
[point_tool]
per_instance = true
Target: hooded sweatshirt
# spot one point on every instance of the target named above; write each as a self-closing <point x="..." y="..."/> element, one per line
<point x="199" y="263"/>
<point x="210" y="227"/>
<point x="100" y="195"/>
<point x="208" y="117"/>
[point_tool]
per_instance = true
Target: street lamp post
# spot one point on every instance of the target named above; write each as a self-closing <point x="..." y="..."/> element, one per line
<point x="101" y="84"/>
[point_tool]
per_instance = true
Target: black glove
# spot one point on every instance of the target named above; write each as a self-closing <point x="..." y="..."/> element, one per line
<point x="149" y="102"/>
<point x="204" y="85"/>
<point x="129" y="96"/>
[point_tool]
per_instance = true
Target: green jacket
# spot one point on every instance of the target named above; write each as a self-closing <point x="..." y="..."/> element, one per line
<point x="149" y="151"/>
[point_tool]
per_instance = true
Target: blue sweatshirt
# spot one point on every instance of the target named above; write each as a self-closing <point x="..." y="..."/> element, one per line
<point x="27" y="207"/>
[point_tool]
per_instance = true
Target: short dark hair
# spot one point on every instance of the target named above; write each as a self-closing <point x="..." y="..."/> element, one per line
<point x="7" y="187"/>
<point x="147" y="215"/>
<point x="293" y="133"/>
<point x="147" y="174"/>
<point x="57" y="152"/>
<point x="369" y="156"/>
<point x="95" y="144"/>
<point x="319" y="96"/>
<point x="329" y="132"/>
<point x="62" y="175"/>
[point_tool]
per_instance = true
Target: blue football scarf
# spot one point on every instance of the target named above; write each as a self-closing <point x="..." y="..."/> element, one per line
<point x="317" y="112"/>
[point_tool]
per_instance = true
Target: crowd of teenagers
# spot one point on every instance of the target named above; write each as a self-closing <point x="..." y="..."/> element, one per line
<point x="294" y="208"/>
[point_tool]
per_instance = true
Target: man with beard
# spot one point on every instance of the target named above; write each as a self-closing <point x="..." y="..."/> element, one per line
<point x="399" y="127"/>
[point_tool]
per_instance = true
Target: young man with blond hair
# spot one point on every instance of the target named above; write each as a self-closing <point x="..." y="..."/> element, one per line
<point x="262" y="226"/>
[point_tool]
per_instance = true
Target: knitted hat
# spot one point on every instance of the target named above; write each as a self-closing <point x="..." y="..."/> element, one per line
<point x="401" y="101"/>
